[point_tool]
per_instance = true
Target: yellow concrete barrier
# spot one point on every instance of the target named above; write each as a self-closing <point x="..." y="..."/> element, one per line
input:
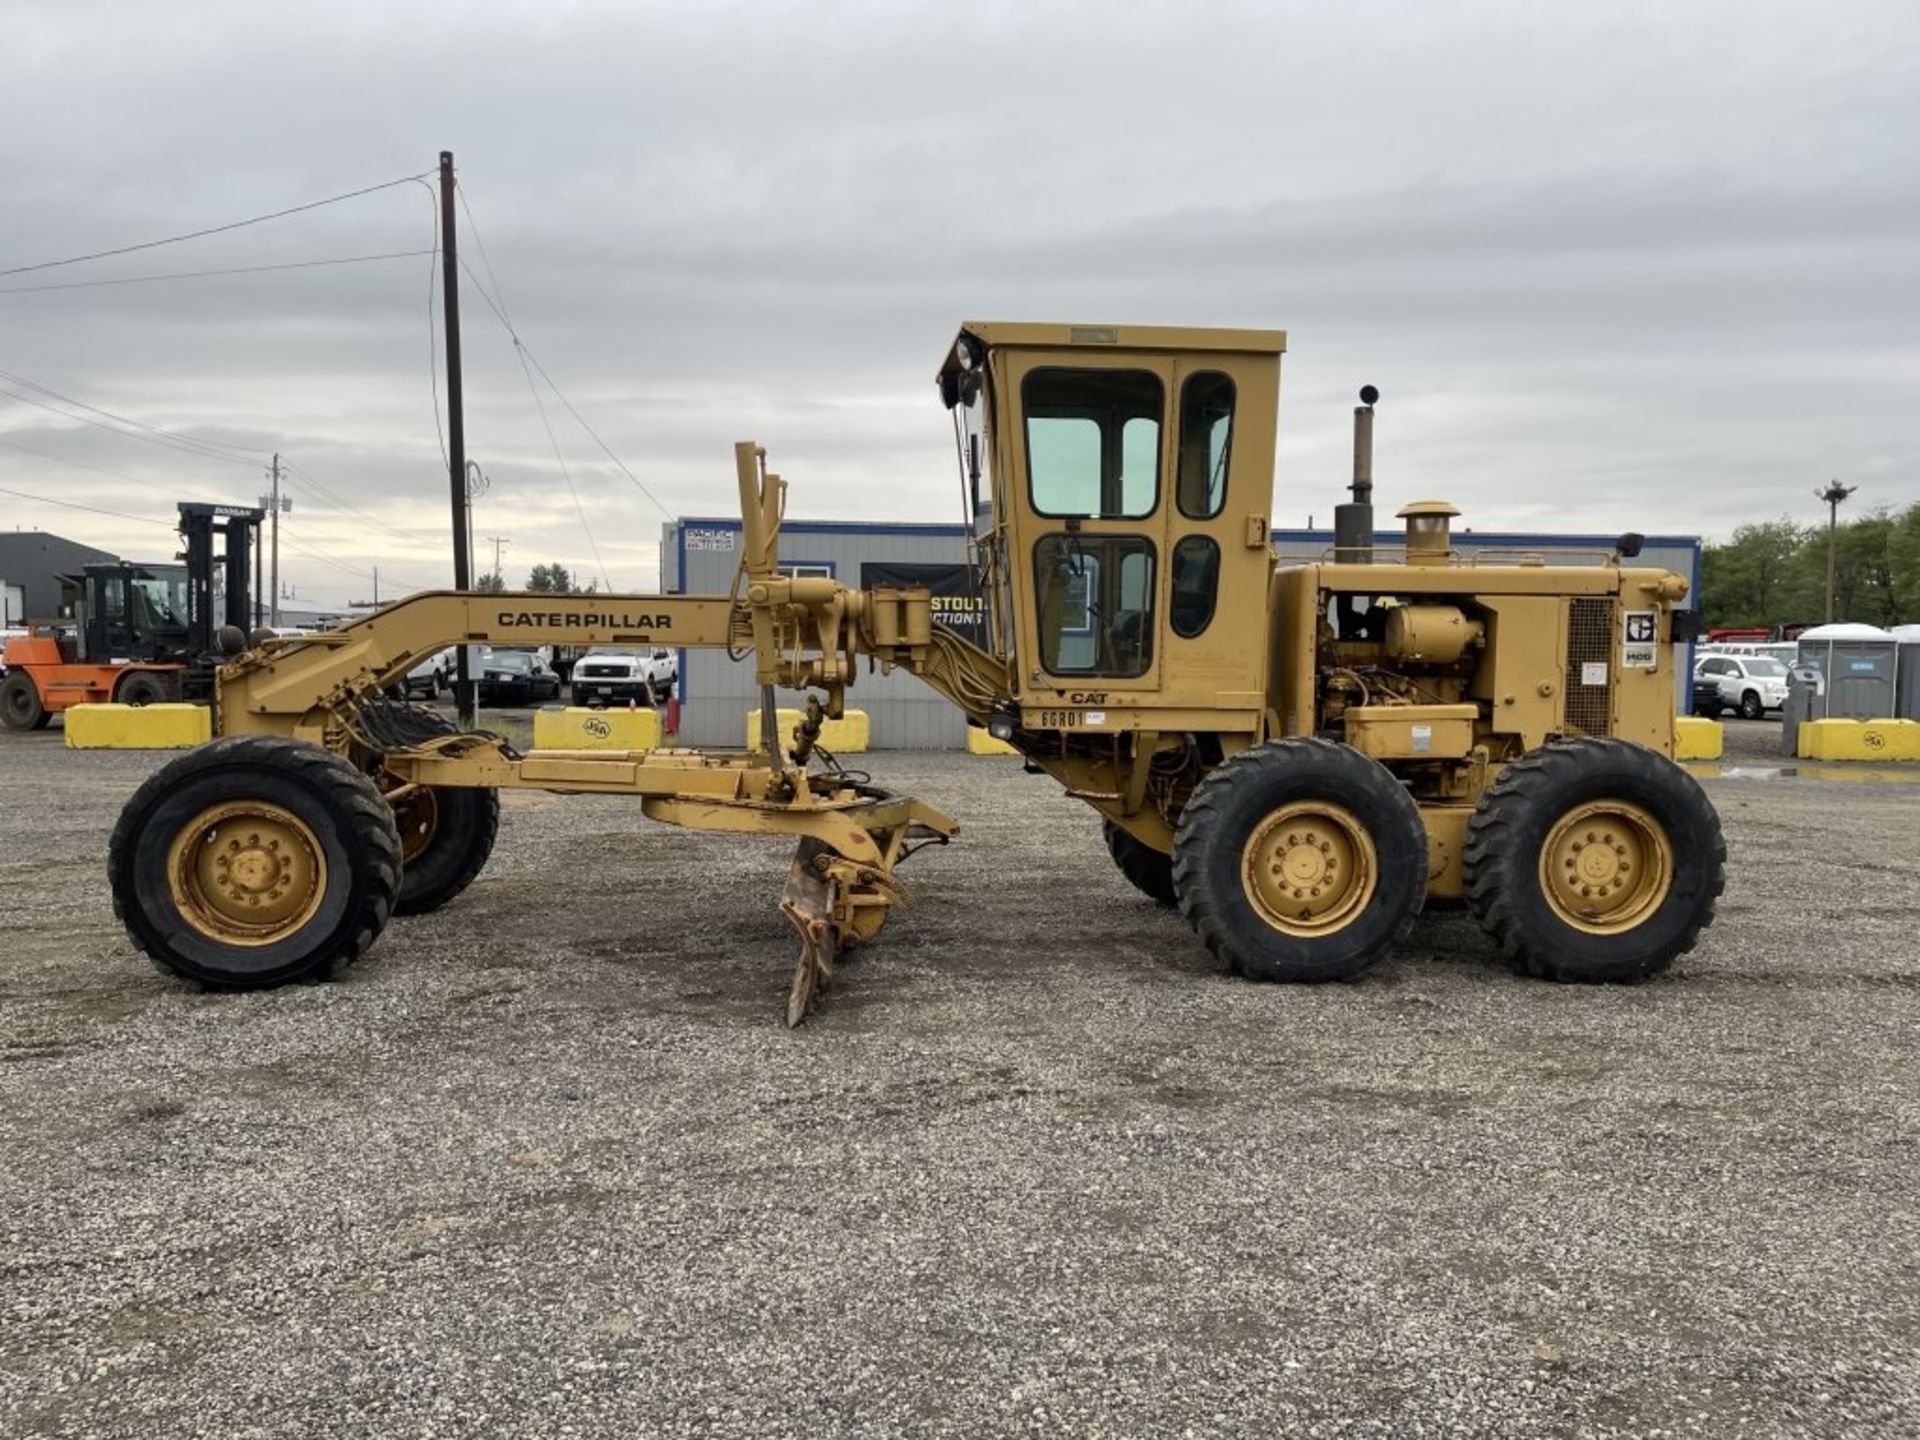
<point x="1860" y="740"/>
<point x="137" y="727"/>
<point x="979" y="742"/>
<point x="1697" y="738"/>
<point x="846" y="736"/>
<point x="578" y="728"/>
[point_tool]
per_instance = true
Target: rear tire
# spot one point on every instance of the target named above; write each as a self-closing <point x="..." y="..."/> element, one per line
<point x="1300" y="860"/>
<point x="20" y="704"/>
<point x="253" y="861"/>
<point x="1633" y="847"/>
<point x="1146" y="869"/>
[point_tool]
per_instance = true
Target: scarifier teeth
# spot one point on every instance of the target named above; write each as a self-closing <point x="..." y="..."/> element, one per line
<point x="807" y="902"/>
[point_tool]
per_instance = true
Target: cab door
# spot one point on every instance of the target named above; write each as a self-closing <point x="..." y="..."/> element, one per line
<point x="1089" y="509"/>
<point x="1219" y="565"/>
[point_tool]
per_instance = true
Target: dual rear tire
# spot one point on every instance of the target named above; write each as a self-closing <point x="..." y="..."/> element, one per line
<point x="1303" y="860"/>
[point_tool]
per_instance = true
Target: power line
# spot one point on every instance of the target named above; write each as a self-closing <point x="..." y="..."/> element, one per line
<point x="520" y="353"/>
<point x="212" y="229"/>
<point x="196" y="447"/>
<point x="90" y="509"/>
<point x="329" y="497"/>
<point x="565" y="475"/>
<point x="182" y="443"/>
<point x="209" y="274"/>
<point x="221" y="449"/>
<point x="433" y="352"/>
<point x="500" y="314"/>
<point x="76" y="464"/>
<point x="313" y="551"/>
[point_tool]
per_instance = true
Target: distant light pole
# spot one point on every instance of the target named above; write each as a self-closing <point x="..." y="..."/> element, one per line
<point x="1833" y="495"/>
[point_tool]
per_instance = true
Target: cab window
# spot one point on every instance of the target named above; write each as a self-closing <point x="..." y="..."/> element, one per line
<point x="1206" y="435"/>
<point x="1095" y="603"/>
<point x="1093" y="442"/>
<point x="1196" y="583"/>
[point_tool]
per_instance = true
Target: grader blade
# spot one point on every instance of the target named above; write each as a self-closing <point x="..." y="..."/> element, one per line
<point x="807" y="901"/>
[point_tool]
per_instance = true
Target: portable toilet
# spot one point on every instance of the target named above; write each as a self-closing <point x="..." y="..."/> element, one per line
<point x="1906" y="685"/>
<point x="1855" y="668"/>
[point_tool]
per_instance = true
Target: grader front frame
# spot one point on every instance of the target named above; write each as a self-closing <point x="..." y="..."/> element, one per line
<point x="234" y="865"/>
<point x="1296" y="756"/>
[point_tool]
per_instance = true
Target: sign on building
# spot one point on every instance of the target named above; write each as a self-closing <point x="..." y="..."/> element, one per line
<point x="957" y="602"/>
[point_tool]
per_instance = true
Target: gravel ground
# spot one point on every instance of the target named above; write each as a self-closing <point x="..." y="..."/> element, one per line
<point x="546" y="1164"/>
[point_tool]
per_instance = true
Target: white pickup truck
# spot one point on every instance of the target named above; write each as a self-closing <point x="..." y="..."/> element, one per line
<point x="615" y="676"/>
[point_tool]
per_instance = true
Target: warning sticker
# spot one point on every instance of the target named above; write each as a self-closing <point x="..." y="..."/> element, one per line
<point x="1639" y="640"/>
<point x="1593" y="672"/>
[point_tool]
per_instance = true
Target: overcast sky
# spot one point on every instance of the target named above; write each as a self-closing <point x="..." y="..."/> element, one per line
<point x="1613" y="266"/>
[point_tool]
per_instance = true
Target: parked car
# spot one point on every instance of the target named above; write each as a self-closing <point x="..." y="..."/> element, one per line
<point x="430" y="677"/>
<point x="513" y="677"/>
<point x="1750" y="684"/>
<point x="616" y="676"/>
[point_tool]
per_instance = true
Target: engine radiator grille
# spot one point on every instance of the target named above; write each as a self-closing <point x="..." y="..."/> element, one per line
<point x="1589" y="642"/>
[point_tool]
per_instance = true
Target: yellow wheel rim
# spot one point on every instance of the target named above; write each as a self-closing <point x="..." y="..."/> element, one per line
<point x="1309" y="868"/>
<point x="1606" y="866"/>
<point x="247" y="872"/>
<point x="418" y="818"/>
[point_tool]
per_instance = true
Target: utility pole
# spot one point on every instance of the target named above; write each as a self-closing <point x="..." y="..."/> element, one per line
<point x="373" y="604"/>
<point x="456" y="425"/>
<point x="499" y="543"/>
<point x="273" y="504"/>
<point x="1833" y="495"/>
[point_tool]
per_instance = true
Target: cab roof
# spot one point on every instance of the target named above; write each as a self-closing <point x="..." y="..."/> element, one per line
<point x="1035" y="335"/>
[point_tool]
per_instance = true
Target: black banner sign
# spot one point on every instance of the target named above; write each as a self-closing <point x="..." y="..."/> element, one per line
<point x="956" y="601"/>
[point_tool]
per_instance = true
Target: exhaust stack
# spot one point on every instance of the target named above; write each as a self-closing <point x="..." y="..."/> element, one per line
<point x="1353" y="521"/>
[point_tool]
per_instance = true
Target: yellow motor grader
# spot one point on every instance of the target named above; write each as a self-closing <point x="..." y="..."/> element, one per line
<point x="1296" y="757"/>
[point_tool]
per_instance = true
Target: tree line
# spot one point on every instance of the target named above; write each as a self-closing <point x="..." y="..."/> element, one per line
<point x="1775" y="573"/>
<point x="542" y="579"/>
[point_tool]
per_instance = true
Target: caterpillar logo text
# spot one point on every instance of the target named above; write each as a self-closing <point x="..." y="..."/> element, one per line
<point x="558" y="620"/>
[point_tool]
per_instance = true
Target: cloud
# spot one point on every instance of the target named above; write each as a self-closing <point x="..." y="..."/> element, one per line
<point x="1636" y="267"/>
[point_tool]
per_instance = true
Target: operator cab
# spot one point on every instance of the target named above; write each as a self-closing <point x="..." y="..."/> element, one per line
<point x="1130" y="474"/>
<point x="133" y="612"/>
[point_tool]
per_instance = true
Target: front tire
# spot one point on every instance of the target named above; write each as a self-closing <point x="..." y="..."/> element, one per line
<point x="1146" y="869"/>
<point x="446" y="835"/>
<point x="1750" y="706"/>
<point x="253" y="861"/>
<point x="1300" y="860"/>
<point x="1594" y="860"/>
<point x="20" y="705"/>
<point x="142" y="687"/>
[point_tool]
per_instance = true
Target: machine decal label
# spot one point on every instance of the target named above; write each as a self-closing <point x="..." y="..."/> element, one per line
<point x="1593" y="672"/>
<point x="1422" y="739"/>
<point x="1067" y="719"/>
<point x="564" y="620"/>
<point x="1639" y="639"/>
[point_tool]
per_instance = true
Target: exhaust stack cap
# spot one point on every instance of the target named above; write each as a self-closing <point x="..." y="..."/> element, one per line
<point x="1429" y="531"/>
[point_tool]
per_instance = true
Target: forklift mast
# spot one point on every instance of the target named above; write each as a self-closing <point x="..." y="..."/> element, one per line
<point x="239" y="526"/>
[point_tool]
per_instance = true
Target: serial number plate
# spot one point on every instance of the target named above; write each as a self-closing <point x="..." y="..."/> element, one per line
<point x="1068" y="719"/>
